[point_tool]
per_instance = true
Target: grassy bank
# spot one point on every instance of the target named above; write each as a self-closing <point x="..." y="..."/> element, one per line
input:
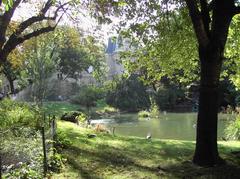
<point x="107" y="156"/>
<point x="59" y="108"/>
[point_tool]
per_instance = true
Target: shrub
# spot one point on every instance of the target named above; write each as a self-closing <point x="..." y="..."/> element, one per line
<point x="22" y="150"/>
<point x="232" y="131"/>
<point x="154" y="111"/>
<point x="167" y="98"/>
<point x="14" y="113"/>
<point x="62" y="141"/>
<point x="88" y="96"/>
<point x="55" y="161"/>
<point x="108" y="110"/>
<point x="24" y="172"/>
<point x="129" y="94"/>
<point x="143" y="114"/>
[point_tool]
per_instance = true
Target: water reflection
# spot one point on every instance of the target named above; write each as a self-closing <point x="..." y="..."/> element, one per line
<point x="181" y="126"/>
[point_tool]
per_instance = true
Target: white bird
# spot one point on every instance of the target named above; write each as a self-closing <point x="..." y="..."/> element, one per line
<point x="149" y="136"/>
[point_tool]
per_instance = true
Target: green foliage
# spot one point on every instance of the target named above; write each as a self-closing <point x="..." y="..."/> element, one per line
<point x="152" y="113"/>
<point x="22" y="149"/>
<point x="55" y="161"/>
<point x="41" y="64"/>
<point x="24" y="172"/>
<point x="82" y="117"/>
<point x="108" y="110"/>
<point x="232" y="52"/>
<point x="88" y="96"/>
<point x="167" y="98"/>
<point x="129" y="95"/>
<point x="62" y="140"/>
<point x="77" y="53"/>
<point x="14" y="113"/>
<point x="233" y="129"/>
<point x="154" y="110"/>
<point x="143" y="114"/>
<point x="73" y="61"/>
<point x="170" y="51"/>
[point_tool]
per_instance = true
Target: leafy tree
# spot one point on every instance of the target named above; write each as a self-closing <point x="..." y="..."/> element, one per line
<point x="232" y="53"/>
<point x="211" y="21"/>
<point x="73" y="62"/>
<point x="78" y="52"/>
<point x="129" y="94"/>
<point x="40" y="64"/>
<point x="22" y="32"/>
<point x="88" y="96"/>
<point x="167" y="55"/>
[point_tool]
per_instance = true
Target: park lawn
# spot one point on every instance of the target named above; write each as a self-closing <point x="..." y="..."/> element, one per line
<point x="108" y="156"/>
<point x="62" y="107"/>
<point x="59" y="108"/>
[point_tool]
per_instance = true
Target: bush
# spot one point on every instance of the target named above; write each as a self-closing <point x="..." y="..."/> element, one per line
<point x="143" y="114"/>
<point x="62" y="141"/>
<point x="55" y="161"/>
<point x="75" y="117"/>
<point x="129" y="94"/>
<point x="154" y="111"/>
<point x="24" y="172"/>
<point x="108" y="110"/>
<point x="22" y="153"/>
<point x="88" y="96"/>
<point x="232" y="131"/>
<point x="167" y="98"/>
<point x="14" y="113"/>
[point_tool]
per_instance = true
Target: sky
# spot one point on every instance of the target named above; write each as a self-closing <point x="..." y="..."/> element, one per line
<point x="84" y="21"/>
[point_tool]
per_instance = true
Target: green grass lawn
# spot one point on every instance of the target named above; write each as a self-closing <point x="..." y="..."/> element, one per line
<point x="59" y="108"/>
<point x="108" y="156"/>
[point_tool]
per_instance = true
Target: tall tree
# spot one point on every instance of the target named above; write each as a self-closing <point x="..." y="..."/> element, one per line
<point x="40" y="63"/>
<point x="22" y="32"/>
<point x="211" y="24"/>
<point x="211" y="21"/>
<point x="78" y="52"/>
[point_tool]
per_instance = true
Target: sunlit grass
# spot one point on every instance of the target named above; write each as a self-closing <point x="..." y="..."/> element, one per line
<point x="59" y="108"/>
<point x="108" y="156"/>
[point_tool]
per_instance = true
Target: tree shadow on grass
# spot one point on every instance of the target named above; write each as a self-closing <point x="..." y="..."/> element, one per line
<point x="93" y="157"/>
<point x="191" y="171"/>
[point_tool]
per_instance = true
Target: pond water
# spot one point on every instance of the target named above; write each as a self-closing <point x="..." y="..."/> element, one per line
<point x="180" y="126"/>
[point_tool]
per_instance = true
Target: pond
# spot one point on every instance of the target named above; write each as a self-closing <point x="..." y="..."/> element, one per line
<point x="179" y="126"/>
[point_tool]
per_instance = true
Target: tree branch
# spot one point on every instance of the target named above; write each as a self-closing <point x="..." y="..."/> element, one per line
<point x="5" y="20"/>
<point x="17" y="37"/>
<point x="47" y="5"/>
<point x="14" y="41"/>
<point x="25" y="24"/>
<point x="198" y="24"/>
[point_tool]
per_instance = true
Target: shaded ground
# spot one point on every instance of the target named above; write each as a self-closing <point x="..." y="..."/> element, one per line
<point x="108" y="156"/>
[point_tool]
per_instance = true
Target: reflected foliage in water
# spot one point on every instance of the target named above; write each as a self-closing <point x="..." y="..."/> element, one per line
<point x="181" y="126"/>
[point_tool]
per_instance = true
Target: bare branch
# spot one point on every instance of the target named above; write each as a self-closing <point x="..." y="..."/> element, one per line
<point x="25" y="24"/>
<point x="5" y="20"/>
<point x="198" y="24"/>
<point x="14" y="41"/>
<point x="17" y="37"/>
<point x="47" y="5"/>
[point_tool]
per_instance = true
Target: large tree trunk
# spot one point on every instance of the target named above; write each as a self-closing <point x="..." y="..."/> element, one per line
<point x="10" y="81"/>
<point x="206" y="152"/>
<point x="12" y="88"/>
